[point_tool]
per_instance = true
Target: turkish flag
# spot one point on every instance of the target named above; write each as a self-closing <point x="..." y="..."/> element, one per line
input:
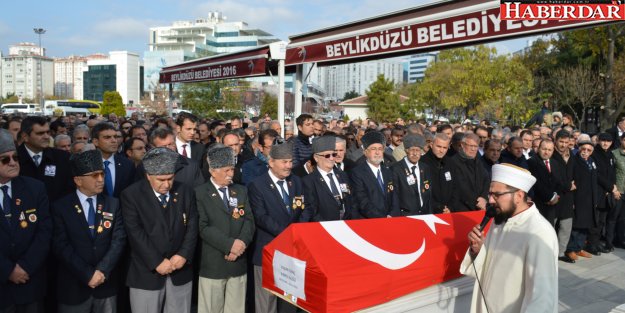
<point x="343" y="266"/>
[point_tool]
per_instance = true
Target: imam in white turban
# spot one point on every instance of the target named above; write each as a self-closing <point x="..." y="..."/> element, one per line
<point x="513" y="176"/>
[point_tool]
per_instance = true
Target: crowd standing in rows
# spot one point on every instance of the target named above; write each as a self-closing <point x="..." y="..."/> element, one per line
<point x="171" y="215"/>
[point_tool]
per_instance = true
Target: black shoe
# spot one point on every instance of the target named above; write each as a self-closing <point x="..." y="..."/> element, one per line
<point x="607" y="249"/>
<point x="566" y="259"/>
<point x="593" y="251"/>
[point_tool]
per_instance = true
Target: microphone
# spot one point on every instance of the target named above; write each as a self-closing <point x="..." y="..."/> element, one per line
<point x="490" y="213"/>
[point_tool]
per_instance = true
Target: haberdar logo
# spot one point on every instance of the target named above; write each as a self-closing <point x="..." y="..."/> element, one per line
<point x="562" y="10"/>
<point x="353" y="242"/>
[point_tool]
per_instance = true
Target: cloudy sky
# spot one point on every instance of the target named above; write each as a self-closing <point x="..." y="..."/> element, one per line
<point x="85" y="27"/>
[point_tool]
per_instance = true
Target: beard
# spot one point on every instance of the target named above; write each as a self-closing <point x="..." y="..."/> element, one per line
<point x="503" y="216"/>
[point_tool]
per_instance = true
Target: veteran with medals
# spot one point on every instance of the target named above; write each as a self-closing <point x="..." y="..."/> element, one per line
<point x="412" y="178"/>
<point x="89" y="238"/>
<point x="374" y="191"/>
<point x="327" y="191"/>
<point x="26" y="230"/>
<point x="160" y="217"/>
<point x="277" y="201"/>
<point x="226" y="227"/>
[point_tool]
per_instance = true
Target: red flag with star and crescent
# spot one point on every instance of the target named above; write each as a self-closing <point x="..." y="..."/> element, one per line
<point x="343" y="266"/>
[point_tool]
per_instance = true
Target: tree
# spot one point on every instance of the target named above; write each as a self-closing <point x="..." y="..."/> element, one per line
<point x="112" y="103"/>
<point x="351" y="95"/>
<point x="476" y="81"/>
<point x="598" y="47"/>
<point x="205" y="98"/>
<point x="383" y="101"/>
<point x="269" y="106"/>
<point x="577" y="87"/>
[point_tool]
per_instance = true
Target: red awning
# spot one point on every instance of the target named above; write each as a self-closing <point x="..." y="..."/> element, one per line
<point x="248" y="63"/>
<point x="425" y="28"/>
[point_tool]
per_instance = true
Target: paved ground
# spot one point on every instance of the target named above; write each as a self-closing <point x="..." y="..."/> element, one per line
<point x="593" y="285"/>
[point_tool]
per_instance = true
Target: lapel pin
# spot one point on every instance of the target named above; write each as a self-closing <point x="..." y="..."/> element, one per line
<point x="18" y="201"/>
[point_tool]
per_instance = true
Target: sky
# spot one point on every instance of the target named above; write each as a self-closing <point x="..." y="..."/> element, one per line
<point x="99" y="26"/>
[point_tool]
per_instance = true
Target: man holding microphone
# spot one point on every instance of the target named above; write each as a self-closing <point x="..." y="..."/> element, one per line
<point x="517" y="263"/>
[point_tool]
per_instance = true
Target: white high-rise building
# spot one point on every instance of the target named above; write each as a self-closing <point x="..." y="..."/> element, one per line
<point x="68" y="80"/>
<point x="24" y="71"/>
<point x="418" y="63"/>
<point x="185" y="40"/>
<point x="340" y="79"/>
<point x="120" y="72"/>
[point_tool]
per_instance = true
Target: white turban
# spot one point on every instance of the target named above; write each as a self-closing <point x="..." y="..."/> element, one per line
<point x="513" y="176"/>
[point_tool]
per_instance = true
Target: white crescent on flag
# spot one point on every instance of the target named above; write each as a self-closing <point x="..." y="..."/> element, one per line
<point x="348" y="238"/>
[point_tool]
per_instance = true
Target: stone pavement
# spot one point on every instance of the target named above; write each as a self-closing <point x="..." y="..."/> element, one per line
<point x="593" y="285"/>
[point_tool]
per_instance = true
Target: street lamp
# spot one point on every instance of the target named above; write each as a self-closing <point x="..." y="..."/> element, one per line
<point x="40" y="31"/>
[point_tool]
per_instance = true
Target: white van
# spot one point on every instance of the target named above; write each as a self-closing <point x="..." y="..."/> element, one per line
<point x="27" y="108"/>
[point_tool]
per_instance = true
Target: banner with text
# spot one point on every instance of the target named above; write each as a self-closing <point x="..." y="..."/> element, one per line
<point x="207" y="72"/>
<point x="473" y="27"/>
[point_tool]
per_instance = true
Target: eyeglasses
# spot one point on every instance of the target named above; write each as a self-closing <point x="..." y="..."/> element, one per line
<point x="95" y="175"/>
<point x="496" y="195"/>
<point x="7" y="159"/>
<point x="327" y="156"/>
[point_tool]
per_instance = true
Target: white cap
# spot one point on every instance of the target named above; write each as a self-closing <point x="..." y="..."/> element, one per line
<point x="513" y="176"/>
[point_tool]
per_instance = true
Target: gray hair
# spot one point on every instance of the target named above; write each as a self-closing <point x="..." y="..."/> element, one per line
<point x="82" y="128"/>
<point x="263" y="126"/>
<point x="61" y="137"/>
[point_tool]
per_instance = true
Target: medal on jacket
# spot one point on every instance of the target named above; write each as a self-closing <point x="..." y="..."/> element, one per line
<point x="235" y="214"/>
<point x="298" y="202"/>
<point x="23" y="223"/>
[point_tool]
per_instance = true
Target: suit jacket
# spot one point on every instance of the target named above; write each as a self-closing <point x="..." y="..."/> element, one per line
<point x="348" y="165"/>
<point x="442" y="188"/>
<point x="606" y="174"/>
<point x="470" y="182"/>
<point x="270" y="214"/>
<point x="369" y="199"/>
<point x="251" y="169"/>
<point x="198" y="151"/>
<point x="409" y="202"/>
<point x="81" y="254"/>
<point x="219" y="226"/>
<point x="587" y="194"/>
<point x="564" y="208"/>
<point x="547" y="183"/>
<point x="320" y="201"/>
<point x="53" y="171"/>
<point x="155" y="233"/>
<point x="25" y="241"/>
<point x="187" y="172"/>
<point x="124" y="174"/>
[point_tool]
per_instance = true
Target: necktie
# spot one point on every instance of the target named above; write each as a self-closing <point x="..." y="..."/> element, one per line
<point x="163" y="200"/>
<point x="285" y="196"/>
<point x="335" y="191"/>
<point x="36" y="158"/>
<point x="547" y="165"/>
<point x="224" y="196"/>
<point x="380" y="181"/>
<point x="6" y="202"/>
<point x="184" y="151"/>
<point x="417" y="183"/>
<point x="91" y="217"/>
<point x="108" y="178"/>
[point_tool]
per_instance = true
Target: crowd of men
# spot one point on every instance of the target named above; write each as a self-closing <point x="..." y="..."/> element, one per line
<point x="171" y="215"/>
